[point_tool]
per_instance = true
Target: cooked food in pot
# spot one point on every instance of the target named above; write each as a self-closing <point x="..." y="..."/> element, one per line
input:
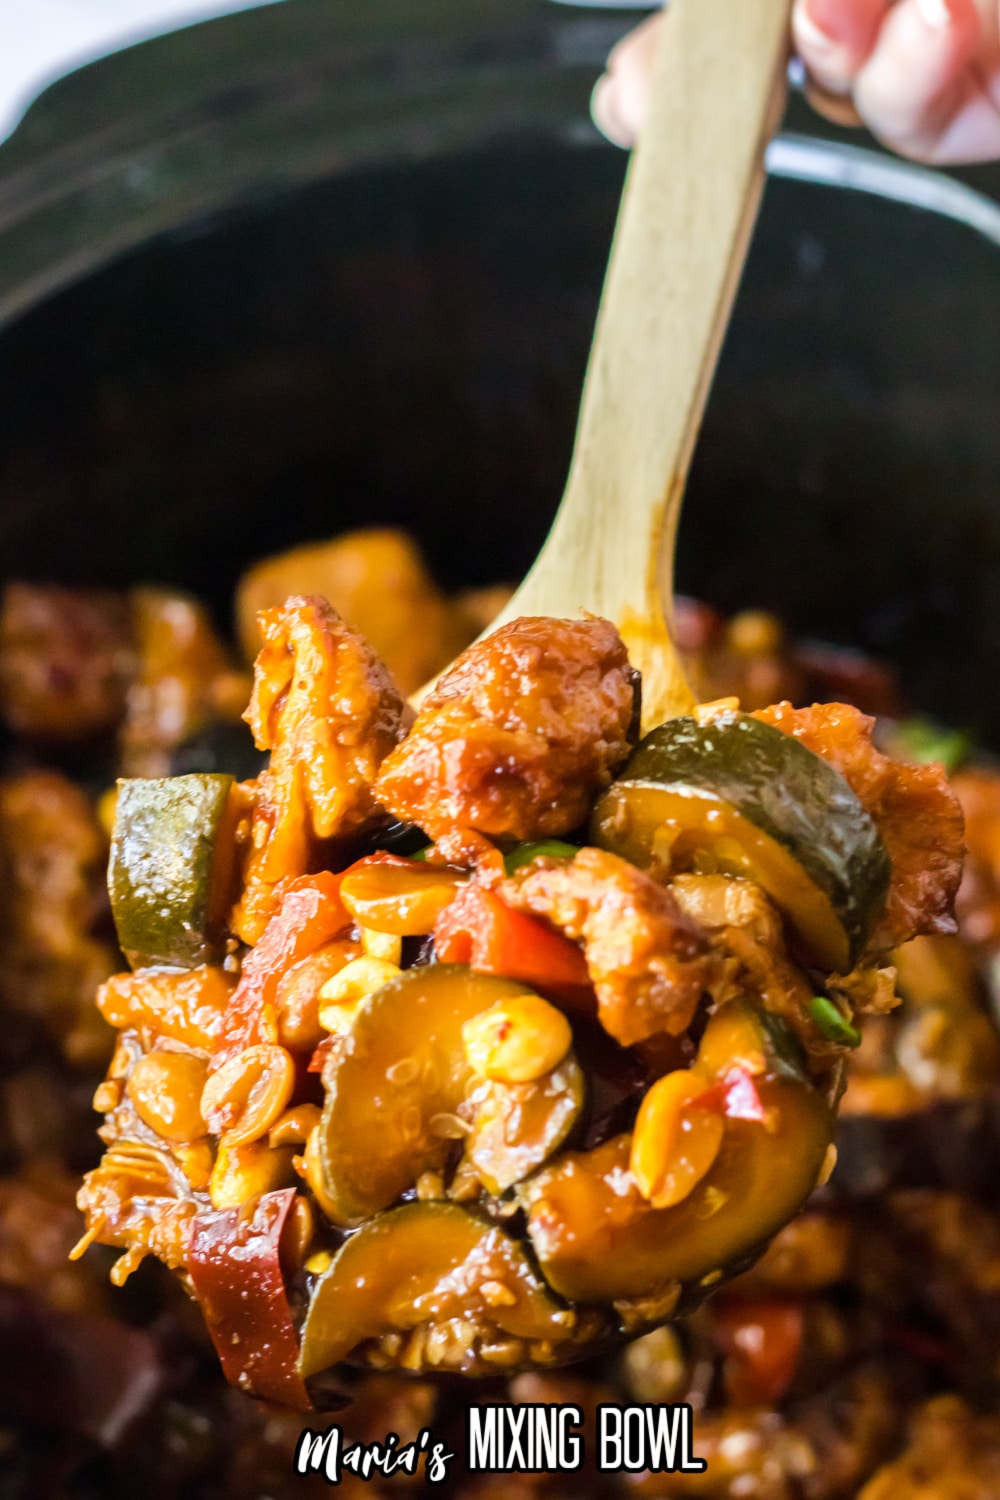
<point x="366" y="1078"/>
<point x="859" y="1351"/>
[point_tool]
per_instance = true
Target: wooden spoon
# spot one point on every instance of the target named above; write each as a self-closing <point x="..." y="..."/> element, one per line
<point x="690" y="201"/>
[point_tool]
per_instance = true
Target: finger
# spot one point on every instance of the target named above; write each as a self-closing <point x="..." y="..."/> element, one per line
<point x="839" y="109"/>
<point x="620" y="100"/>
<point x="834" y="38"/>
<point x="917" y="78"/>
<point x="972" y="134"/>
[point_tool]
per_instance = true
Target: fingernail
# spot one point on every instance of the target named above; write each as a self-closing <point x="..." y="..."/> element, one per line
<point x="935" y="14"/>
<point x="604" y="111"/>
<point x="809" y="33"/>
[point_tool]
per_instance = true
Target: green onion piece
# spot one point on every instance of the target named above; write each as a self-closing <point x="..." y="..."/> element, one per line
<point x="421" y="853"/>
<point x="924" y="741"/>
<point x="549" y="848"/>
<point x="832" y="1024"/>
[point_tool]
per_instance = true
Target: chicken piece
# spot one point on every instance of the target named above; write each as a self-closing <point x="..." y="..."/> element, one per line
<point x="184" y="678"/>
<point x="978" y="789"/>
<point x="947" y="1044"/>
<point x="646" y="958"/>
<point x="748" y="950"/>
<point x="326" y="708"/>
<point x="823" y="1449"/>
<point x="811" y="1254"/>
<point x="519" y="735"/>
<point x="952" y="1455"/>
<point x="53" y="854"/>
<point x="949" y="1248"/>
<point x="917" y="814"/>
<point x="377" y="580"/>
<point x="131" y="1201"/>
<point x="65" y="658"/>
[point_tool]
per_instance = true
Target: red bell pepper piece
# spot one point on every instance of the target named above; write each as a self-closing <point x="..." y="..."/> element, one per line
<point x="235" y="1268"/>
<point x="740" y="1099"/>
<point x="480" y="930"/>
<point x="311" y="914"/>
<point x="734" y="1095"/>
<point x="762" y="1342"/>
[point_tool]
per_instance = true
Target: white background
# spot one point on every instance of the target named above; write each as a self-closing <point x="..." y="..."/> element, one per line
<point x="40" y="40"/>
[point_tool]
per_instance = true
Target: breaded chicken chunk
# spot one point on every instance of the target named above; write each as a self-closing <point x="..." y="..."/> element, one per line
<point x="646" y="958"/>
<point x="328" y="711"/>
<point x="917" y="814"/>
<point x="519" y="735"/>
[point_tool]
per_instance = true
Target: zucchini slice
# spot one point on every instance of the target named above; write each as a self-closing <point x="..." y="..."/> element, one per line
<point x="172" y="868"/>
<point x="598" y="1240"/>
<point x="429" y="1263"/>
<point x="739" y="797"/>
<point x="393" y="1088"/>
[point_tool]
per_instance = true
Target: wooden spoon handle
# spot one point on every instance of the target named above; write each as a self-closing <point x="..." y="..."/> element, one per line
<point x="690" y="201"/>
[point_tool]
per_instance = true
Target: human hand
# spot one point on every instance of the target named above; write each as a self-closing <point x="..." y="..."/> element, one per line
<point x="922" y="75"/>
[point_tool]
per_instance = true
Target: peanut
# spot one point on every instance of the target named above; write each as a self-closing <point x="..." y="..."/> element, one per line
<point x="384" y="945"/>
<point x="294" y="1126"/>
<point x="517" y="1040"/>
<point x="298" y="993"/>
<point x="166" y="1089"/>
<point x="403" y="897"/>
<point x="346" y="991"/>
<point x="248" y="1094"/>
<point x="677" y="1136"/>
<point x="310" y="1166"/>
<point x="242" y="1173"/>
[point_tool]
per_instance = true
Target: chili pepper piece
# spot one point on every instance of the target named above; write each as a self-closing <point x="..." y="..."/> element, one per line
<point x="235" y="1268"/>
<point x="762" y="1341"/>
<point x="311" y="914"/>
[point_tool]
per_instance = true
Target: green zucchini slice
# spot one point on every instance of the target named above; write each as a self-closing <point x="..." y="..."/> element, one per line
<point x="739" y="797"/>
<point x="430" y="1263"/>
<point x="172" y="868"/>
<point x="395" y="1083"/>
<point x="598" y="1240"/>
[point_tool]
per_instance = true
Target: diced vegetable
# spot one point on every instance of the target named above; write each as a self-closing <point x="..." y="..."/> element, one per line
<point x="834" y="1026"/>
<point x="740" y="797"/>
<point x="172" y="868"/>
<point x="480" y="930"/>
<point x="235" y="1268"/>
<point x="762" y="1340"/>
<point x="924" y="741"/>
<point x="311" y="914"/>
<point x="519" y="1126"/>
<point x="428" y="1263"/>
<point x="524" y="854"/>
<point x="596" y="1237"/>
<point x="392" y="1092"/>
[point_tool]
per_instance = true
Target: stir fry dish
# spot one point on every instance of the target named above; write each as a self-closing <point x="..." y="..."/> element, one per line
<point x="502" y="1036"/>
<point x="481" y="1041"/>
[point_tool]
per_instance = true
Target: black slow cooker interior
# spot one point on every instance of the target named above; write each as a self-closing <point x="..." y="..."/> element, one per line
<point x="406" y="345"/>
